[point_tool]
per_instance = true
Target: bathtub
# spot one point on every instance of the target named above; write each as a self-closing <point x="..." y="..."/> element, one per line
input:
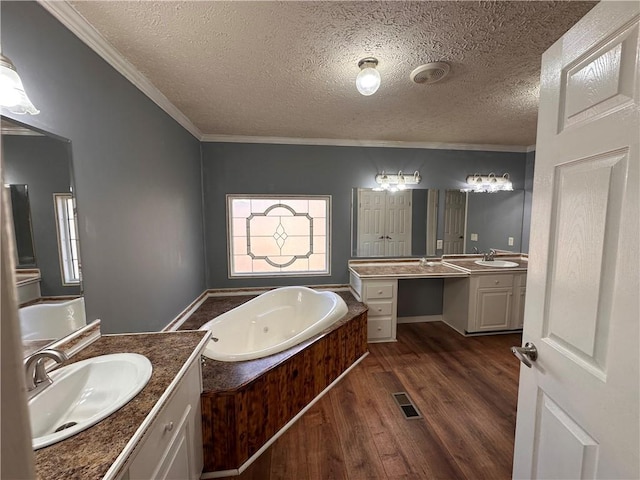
<point x="44" y="321"/>
<point x="271" y="323"/>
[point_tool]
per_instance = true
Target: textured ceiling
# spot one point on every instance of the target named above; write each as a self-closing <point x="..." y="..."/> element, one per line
<point x="287" y="69"/>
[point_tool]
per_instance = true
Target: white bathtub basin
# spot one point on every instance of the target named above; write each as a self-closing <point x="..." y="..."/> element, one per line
<point x="44" y="321"/>
<point x="84" y="393"/>
<point x="272" y="322"/>
<point x="497" y="263"/>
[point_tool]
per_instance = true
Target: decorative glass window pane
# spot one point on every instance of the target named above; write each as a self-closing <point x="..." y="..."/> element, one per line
<point x="278" y="235"/>
<point x="67" y="230"/>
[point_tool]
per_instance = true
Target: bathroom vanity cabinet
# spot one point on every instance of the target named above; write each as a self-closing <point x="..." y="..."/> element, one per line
<point x="476" y="298"/>
<point x="172" y="446"/>
<point x="381" y="296"/>
<point x="485" y="302"/>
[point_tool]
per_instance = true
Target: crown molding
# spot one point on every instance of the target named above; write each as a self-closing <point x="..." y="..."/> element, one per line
<point x="362" y="143"/>
<point x="75" y="22"/>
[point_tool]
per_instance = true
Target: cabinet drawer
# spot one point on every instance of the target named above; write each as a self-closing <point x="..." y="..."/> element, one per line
<point x="379" y="290"/>
<point x="378" y="309"/>
<point x="500" y="280"/>
<point x="378" y="329"/>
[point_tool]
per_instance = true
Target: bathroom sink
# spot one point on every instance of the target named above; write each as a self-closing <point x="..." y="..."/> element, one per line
<point x="84" y="393"/>
<point x="496" y="263"/>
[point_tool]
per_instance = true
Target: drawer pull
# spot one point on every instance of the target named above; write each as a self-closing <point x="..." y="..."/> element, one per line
<point x="168" y="427"/>
<point x="497" y="282"/>
<point x="379" y="329"/>
<point x="379" y="309"/>
<point x="379" y="292"/>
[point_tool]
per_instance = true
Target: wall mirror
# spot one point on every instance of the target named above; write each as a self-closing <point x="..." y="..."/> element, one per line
<point x="394" y="224"/>
<point x="18" y="197"/>
<point x="432" y="222"/>
<point x="482" y="221"/>
<point x="38" y="177"/>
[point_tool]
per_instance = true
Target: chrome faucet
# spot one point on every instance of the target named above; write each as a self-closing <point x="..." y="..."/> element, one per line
<point x="37" y="377"/>
<point x="489" y="257"/>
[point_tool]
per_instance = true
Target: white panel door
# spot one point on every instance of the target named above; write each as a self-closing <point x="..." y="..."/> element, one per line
<point x="455" y="205"/>
<point x="578" y="406"/>
<point x="371" y="223"/>
<point x="398" y="232"/>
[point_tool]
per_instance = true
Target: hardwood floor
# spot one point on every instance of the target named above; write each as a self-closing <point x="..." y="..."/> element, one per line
<point x="465" y="388"/>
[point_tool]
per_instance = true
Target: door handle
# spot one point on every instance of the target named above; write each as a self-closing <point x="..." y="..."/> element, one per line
<point x="526" y="354"/>
<point x="388" y="237"/>
<point x="381" y="238"/>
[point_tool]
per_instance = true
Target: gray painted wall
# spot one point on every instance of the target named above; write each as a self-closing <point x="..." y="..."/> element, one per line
<point x="528" y="196"/>
<point x="304" y="169"/>
<point x="42" y="163"/>
<point x="137" y="174"/>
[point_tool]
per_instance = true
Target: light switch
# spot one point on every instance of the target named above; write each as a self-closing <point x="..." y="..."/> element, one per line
<point x="474" y="237"/>
<point x="439" y="244"/>
<point x="511" y="241"/>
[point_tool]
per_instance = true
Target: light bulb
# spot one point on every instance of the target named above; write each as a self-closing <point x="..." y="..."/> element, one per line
<point x="12" y="94"/>
<point x="9" y="84"/>
<point x="368" y="81"/>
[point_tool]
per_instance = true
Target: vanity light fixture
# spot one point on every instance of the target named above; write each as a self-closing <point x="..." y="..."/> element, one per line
<point x="12" y="94"/>
<point x="395" y="182"/>
<point x="368" y="80"/>
<point x="488" y="183"/>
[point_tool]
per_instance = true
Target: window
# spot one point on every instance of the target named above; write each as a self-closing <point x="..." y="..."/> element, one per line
<point x="67" y="228"/>
<point x="278" y="235"/>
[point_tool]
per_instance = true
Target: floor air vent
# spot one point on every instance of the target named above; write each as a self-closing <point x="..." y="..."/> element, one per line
<point x="407" y="407"/>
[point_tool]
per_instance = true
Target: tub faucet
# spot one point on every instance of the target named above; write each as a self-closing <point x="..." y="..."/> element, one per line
<point x="37" y="377"/>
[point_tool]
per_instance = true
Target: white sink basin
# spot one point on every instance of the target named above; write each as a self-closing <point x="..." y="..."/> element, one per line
<point x="84" y="393"/>
<point x="496" y="263"/>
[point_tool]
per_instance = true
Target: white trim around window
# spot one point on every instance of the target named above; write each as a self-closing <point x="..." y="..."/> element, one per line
<point x="67" y="233"/>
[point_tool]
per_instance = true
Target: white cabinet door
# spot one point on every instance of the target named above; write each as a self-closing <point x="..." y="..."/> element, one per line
<point x="517" y="316"/>
<point x="579" y="404"/>
<point x="493" y="308"/>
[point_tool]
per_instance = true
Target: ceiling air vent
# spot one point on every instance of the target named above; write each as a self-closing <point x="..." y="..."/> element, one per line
<point x="430" y="73"/>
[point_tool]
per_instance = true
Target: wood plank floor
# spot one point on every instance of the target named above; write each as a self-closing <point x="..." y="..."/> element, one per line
<point x="465" y="388"/>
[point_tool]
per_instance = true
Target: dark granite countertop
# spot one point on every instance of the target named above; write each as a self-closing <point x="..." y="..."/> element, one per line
<point x="472" y="267"/>
<point x="90" y="454"/>
<point x="227" y="376"/>
<point x="408" y="270"/>
<point x="448" y="266"/>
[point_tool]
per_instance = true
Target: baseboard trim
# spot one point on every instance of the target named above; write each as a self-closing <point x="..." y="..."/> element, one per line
<point x="420" y="319"/>
<point x="174" y="324"/>
<point x="254" y="457"/>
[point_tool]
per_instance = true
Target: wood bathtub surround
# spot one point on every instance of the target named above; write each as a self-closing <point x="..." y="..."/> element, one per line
<point x="244" y="404"/>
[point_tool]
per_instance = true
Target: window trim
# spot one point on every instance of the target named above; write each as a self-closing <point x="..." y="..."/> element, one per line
<point x="328" y="244"/>
<point x="65" y="255"/>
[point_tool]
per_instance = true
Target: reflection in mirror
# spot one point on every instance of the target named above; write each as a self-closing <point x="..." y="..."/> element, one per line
<point x="483" y="221"/>
<point x="21" y="214"/>
<point x="41" y="163"/>
<point x="394" y="224"/>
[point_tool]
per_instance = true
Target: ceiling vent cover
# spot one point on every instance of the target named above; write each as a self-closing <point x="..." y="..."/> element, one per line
<point x="430" y="73"/>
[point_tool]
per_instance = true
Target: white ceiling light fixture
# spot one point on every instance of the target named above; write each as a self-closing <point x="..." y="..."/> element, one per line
<point x="488" y="183"/>
<point x="12" y="94"/>
<point x="368" y="80"/>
